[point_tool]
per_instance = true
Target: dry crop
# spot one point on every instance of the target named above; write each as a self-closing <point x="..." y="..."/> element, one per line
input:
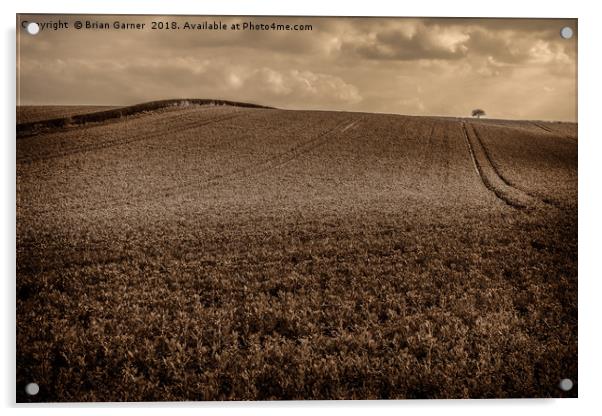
<point x="229" y="253"/>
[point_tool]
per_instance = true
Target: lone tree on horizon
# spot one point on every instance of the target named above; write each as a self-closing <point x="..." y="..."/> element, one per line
<point x="478" y="113"/>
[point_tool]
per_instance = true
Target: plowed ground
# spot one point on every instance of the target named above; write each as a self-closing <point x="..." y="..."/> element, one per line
<point x="221" y="253"/>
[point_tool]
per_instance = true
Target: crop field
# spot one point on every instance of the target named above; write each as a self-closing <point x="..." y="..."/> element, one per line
<point x="229" y="253"/>
<point x="33" y="113"/>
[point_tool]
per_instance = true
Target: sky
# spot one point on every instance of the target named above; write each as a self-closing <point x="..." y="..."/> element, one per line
<point x="511" y="68"/>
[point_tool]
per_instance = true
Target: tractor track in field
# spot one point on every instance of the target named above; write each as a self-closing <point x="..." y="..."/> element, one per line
<point x="306" y="147"/>
<point x="266" y="165"/>
<point x="490" y="176"/>
<point x="122" y="142"/>
<point x="544" y="128"/>
<point x="554" y="132"/>
<point x="350" y="126"/>
<point x="508" y="182"/>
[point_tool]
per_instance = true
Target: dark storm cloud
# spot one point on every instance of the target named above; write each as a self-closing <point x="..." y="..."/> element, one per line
<point x="414" y="66"/>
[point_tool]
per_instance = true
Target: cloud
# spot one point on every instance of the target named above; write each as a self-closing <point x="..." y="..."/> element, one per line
<point x="395" y="65"/>
<point x="500" y="45"/>
<point x="188" y="77"/>
<point x="304" y="88"/>
<point x="407" y="41"/>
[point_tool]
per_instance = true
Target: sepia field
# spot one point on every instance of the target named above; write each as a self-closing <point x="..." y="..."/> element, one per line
<point x="215" y="252"/>
<point x="35" y="113"/>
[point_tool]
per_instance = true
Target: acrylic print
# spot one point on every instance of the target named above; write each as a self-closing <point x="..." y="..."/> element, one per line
<point x="295" y="208"/>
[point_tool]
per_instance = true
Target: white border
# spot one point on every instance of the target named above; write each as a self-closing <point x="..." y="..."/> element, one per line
<point x="590" y="146"/>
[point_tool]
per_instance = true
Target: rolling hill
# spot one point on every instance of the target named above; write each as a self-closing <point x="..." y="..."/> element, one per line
<point x="228" y="252"/>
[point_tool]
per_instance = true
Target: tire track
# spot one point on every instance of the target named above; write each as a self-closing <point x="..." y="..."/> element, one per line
<point x="510" y="195"/>
<point x="247" y="170"/>
<point x="508" y="182"/>
<point x="490" y="159"/>
<point x="271" y="163"/>
<point x="320" y="140"/>
<point x="472" y="155"/>
<point x="554" y="132"/>
<point x="122" y="142"/>
<point x="544" y="128"/>
<point x="350" y="126"/>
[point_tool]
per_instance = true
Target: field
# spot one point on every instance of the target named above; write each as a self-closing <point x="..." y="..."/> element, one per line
<point x="228" y="253"/>
<point x="34" y="113"/>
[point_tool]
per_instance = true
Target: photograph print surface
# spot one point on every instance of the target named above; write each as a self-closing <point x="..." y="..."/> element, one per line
<point x="295" y="208"/>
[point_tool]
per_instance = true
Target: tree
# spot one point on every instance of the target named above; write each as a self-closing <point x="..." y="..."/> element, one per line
<point x="478" y="113"/>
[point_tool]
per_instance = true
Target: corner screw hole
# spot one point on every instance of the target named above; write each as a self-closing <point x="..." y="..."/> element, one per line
<point x="32" y="389"/>
<point x="566" y="384"/>
<point x="566" y="32"/>
<point x="32" y="28"/>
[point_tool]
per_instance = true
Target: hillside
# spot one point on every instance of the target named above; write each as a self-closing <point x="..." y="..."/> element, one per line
<point x="40" y="113"/>
<point x="227" y="252"/>
<point x="33" y="120"/>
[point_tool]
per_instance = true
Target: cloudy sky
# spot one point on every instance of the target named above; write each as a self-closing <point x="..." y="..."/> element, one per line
<point x="518" y="69"/>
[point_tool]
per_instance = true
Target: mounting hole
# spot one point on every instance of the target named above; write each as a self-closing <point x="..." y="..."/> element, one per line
<point x="566" y="384"/>
<point x="566" y="32"/>
<point x="32" y="389"/>
<point x="32" y="28"/>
